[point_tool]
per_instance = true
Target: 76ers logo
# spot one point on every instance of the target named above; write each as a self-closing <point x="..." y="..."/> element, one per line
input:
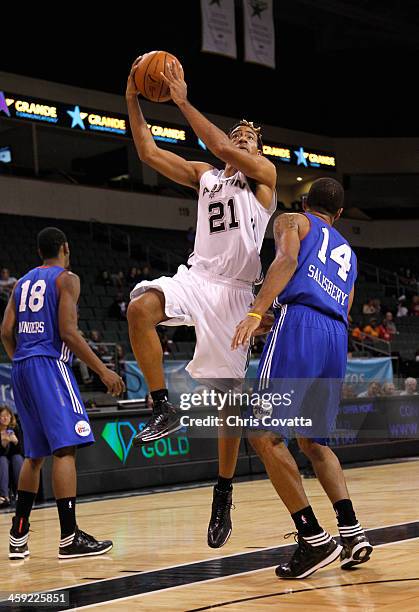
<point x="82" y="428"/>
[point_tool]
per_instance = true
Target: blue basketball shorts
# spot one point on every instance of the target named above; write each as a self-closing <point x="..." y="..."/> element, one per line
<point x="300" y="374"/>
<point x="49" y="405"/>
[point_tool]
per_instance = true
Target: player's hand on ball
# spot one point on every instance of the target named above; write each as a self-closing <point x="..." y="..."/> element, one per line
<point x="131" y="86"/>
<point x="176" y="83"/>
<point x="244" y="331"/>
<point x="113" y="382"/>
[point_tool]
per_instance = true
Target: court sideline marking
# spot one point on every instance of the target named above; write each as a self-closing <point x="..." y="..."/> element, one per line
<point x="87" y="595"/>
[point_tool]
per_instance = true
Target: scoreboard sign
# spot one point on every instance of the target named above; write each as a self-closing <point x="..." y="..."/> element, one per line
<point x="87" y="120"/>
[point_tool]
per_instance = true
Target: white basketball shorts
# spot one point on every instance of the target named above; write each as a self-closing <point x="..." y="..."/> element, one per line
<point x="214" y="305"/>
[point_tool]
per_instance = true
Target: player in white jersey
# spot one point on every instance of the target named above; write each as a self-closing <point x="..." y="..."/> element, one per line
<point x="216" y="289"/>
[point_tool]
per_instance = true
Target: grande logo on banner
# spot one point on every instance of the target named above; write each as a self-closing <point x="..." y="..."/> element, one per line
<point x="259" y="32"/>
<point x="218" y="27"/>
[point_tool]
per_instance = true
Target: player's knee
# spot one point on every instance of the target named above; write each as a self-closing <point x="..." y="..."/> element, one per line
<point x="67" y="451"/>
<point x="311" y="448"/>
<point x="263" y="443"/>
<point x="141" y="310"/>
<point x="35" y="464"/>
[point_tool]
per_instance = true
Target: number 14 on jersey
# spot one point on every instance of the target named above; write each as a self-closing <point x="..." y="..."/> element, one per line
<point x="341" y="255"/>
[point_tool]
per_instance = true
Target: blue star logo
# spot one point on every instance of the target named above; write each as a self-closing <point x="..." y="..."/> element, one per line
<point x="77" y="117"/>
<point x="301" y="157"/>
<point x="3" y="104"/>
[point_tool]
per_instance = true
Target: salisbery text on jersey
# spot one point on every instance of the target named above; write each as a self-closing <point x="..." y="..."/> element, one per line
<point x="327" y="285"/>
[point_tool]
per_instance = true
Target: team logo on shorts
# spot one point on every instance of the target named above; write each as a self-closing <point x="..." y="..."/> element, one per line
<point x="262" y="409"/>
<point x="82" y="428"/>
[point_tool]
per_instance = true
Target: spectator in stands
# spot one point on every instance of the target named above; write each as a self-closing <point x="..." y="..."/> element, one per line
<point x="133" y="277"/>
<point x="388" y="389"/>
<point x="78" y="364"/>
<point x="389" y="324"/>
<point x="383" y="332"/>
<point x="377" y="305"/>
<point x="402" y="310"/>
<point x="368" y="308"/>
<point x="410" y="277"/>
<point x="410" y="386"/>
<point x="165" y="341"/>
<point x="414" y="308"/>
<point x="371" y="329"/>
<point x="356" y="332"/>
<point x="95" y="343"/>
<point x="118" y="279"/>
<point x="118" y="308"/>
<point x="348" y="391"/>
<point x="104" y="278"/>
<point x="11" y="452"/>
<point x="145" y="273"/>
<point x="7" y="282"/>
<point x="374" y="390"/>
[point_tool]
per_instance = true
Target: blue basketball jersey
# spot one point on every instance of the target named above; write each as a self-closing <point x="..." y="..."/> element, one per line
<point x="325" y="274"/>
<point x="36" y="301"/>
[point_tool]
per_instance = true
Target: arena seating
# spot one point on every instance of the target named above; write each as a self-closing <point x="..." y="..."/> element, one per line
<point x="96" y="247"/>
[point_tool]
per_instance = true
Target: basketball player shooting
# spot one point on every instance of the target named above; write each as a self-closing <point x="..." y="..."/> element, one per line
<point x="214" y="292"/>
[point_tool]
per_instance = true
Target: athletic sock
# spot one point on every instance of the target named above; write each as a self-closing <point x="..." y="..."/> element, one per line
<point x="345" y="513"/>
<point x="161" y="395"/>
<point x="224" y="484"/>
<point x="306" y="522"/>
<point x="24" y="503"/>
<point x="66" y="507"/>
<point x="347" y="522"/>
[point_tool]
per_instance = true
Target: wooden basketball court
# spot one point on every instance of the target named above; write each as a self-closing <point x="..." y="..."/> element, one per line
<point x="161" y="561"/>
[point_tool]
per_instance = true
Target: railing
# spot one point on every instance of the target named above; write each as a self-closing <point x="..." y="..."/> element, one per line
<point x="113" y="235"/>
<point x="156" y="256"/>
<point x="387" y="278"/>
<point x="372" y="344"/>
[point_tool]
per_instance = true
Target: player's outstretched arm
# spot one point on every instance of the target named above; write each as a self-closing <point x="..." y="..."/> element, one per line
<point x="8" y="327"/>
<point x="69" y="291"/>
<point x="169" y="164"/>
<point x="280" y="272"/>
<point x="256" y="167"/>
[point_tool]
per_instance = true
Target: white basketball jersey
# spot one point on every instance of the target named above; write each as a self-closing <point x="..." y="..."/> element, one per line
<point x="230" y="227"/>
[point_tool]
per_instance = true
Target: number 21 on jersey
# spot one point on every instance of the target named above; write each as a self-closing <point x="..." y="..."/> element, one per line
<point x="341" y="255"/>
<point x="217" y="216"/>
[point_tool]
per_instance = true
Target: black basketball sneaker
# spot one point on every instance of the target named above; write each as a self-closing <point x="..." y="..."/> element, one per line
<point x="313" y="553"/>
<point x="164" y="421"/>
<point x="220" y="528"/>
<point x="356" y="547"/>
<point x="18" y="539"/>
<point x="81" y="544"/>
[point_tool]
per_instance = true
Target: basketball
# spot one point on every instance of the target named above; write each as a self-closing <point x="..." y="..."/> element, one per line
<point x="148" y="78"/>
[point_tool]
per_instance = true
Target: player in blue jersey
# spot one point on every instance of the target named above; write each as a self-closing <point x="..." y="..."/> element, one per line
<point x="40" y="335"/>
<point x="311" y="286"/>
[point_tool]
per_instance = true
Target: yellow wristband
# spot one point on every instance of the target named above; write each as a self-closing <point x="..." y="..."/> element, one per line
<point x="255" y="314"/>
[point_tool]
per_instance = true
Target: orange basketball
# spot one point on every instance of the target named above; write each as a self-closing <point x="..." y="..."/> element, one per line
<point x="148" y="78"/>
